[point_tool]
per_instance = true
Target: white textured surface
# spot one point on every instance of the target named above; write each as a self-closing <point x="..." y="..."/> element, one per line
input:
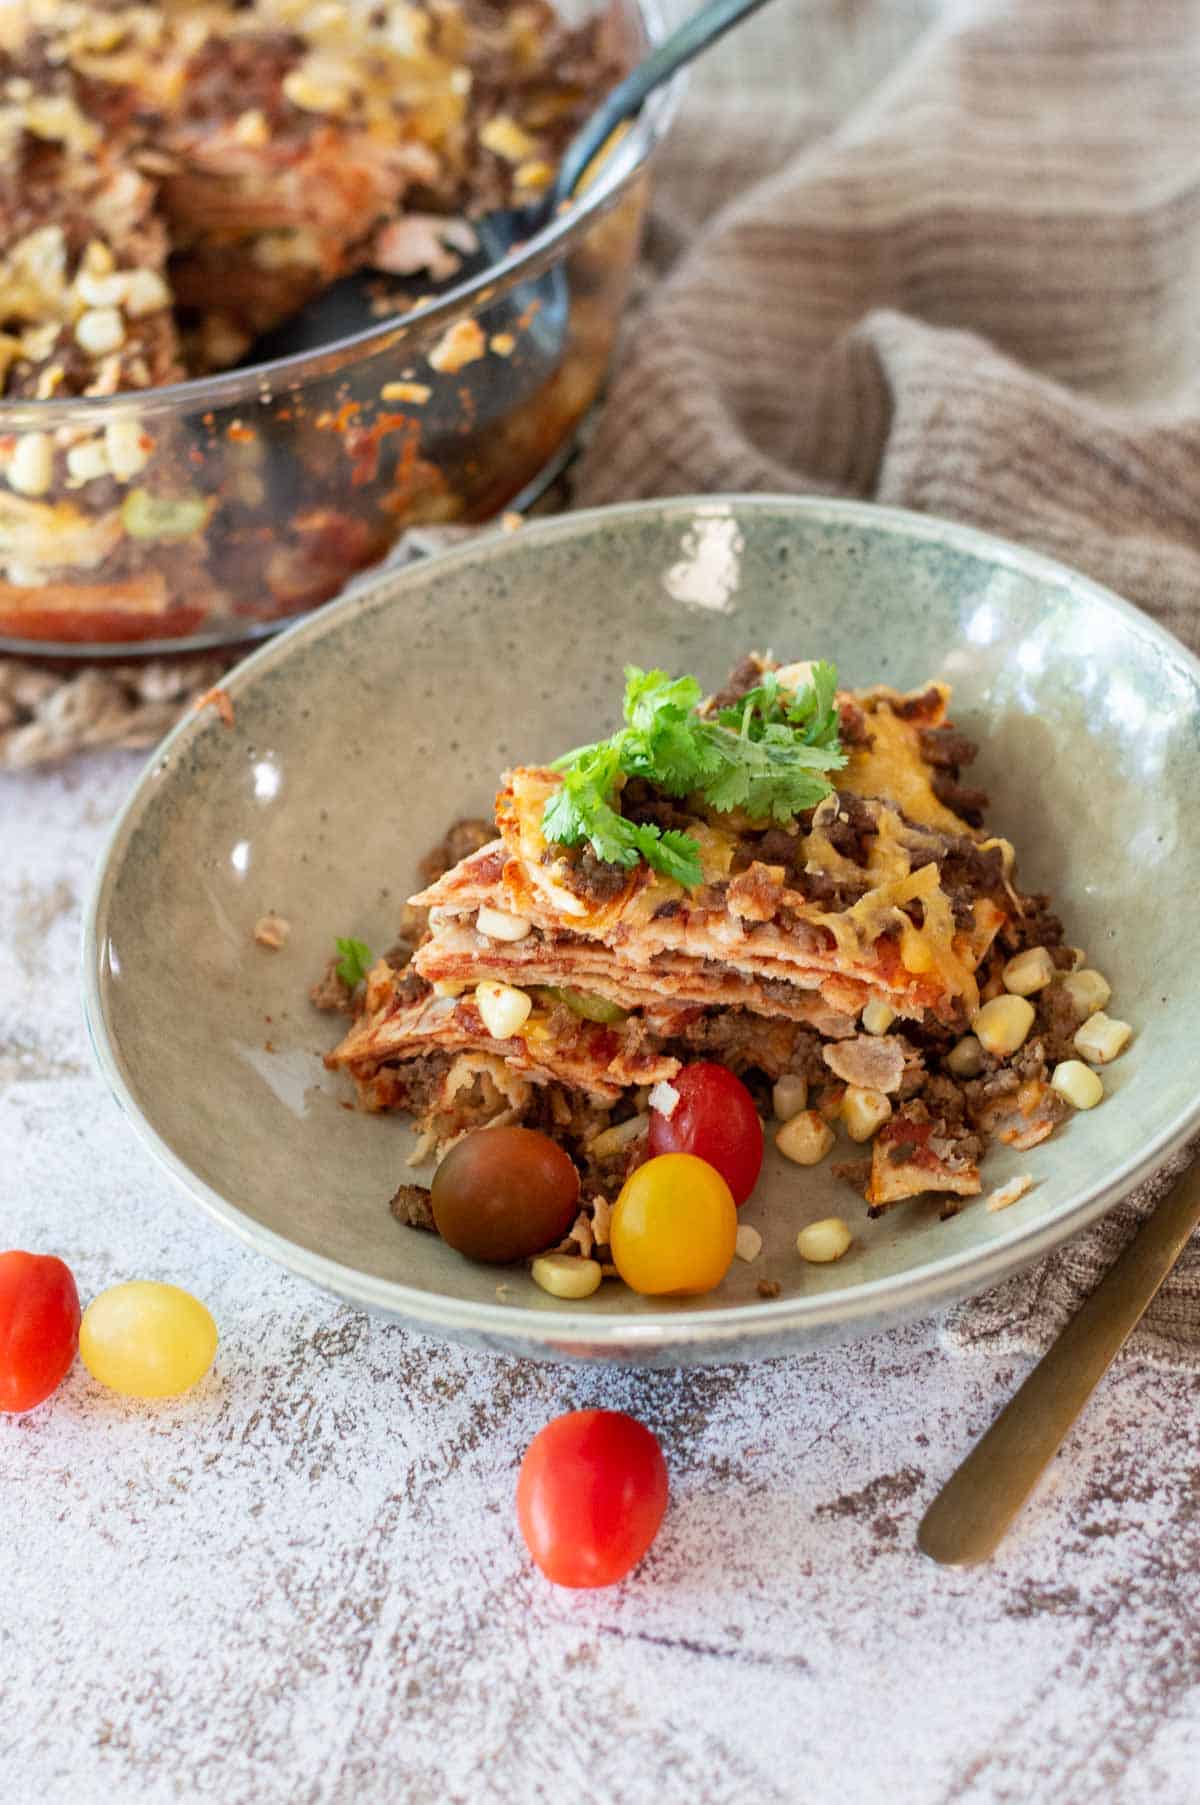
<point x="303" y="1583"/>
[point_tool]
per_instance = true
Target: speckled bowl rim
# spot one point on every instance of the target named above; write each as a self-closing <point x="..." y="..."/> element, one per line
<point x="862" y="1308"/>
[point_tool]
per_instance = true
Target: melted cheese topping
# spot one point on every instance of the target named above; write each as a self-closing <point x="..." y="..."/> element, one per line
<point x="892" y="767"/>
<point x="530" y="789"/>
<point x="939" y="957"/>
<point x="936" y="948"/>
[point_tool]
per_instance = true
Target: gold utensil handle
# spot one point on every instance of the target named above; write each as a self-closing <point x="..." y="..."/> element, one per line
<point x="968" y="1518"/>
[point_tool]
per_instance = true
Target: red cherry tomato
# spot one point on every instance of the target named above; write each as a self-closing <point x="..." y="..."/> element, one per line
<point x="591" y="1495"/>
<point x="715" y="1119"/>
<point x="39" y="1328"/>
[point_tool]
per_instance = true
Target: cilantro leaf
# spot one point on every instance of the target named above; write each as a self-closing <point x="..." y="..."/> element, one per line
<point x="651" y="696"/>
<point x="814" y="709"/>
<point x="580" y="811"/>
<point x="811" y="710"/>
<point x="768" y="754"/>
<point x="355" y="962"/>
<point x="675" y="855"/>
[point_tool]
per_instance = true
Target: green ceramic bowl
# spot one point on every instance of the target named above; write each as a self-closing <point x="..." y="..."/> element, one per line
<point x="363" y="731"/>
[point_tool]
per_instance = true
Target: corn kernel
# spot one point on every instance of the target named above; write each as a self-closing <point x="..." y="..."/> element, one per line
<point x="1077" y="1082"/>
<point x="748" y="1242"/>
<point x="503" y="1009"/>
<point x="1002" y="1025"/>
<point x="100" y="331"/>
<point x="415" y="393"/>
<point x="877" y="1017"/>
<point x="101" y="291"/>
<point x="536" y="173"/>
<point x="87" y="461"/>
<point x="1101" y="1038"/>
<point x="789" y="1096"/>
<point x="1088" y="990"/>
<point x="97" y="259"/>
<point x="965" y="1058"/>
<point x="1029" y="971"/>
<point x="497" y="924"/>
<point x="127" y="451"/>
<point x="146" y="293"/>
<point x="795" y="677"/>
<point x="31" y="467"/>
<point x="863" y="1111"/>
<point x="805" y="1139"/>
<point x="823" y="1241"/>
<point x="505" y="138"/>
<point x="251" y="128"/>
<point x="315" y="90"/>
<point x="459" y="345"/>
<point x="566" y="1275"/>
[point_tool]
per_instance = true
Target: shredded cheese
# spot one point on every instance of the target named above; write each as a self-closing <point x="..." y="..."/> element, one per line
<point x="892" y="766"/>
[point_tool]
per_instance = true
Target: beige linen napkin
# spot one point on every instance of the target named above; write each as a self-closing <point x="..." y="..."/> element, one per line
<point x="977" y="295"/>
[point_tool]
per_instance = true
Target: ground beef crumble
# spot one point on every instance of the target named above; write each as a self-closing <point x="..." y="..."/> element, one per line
<point x="852" y="827"/>
<point x="460" y="841"/>
<point x="853" y="729"/>
<point x="745" y="676"/>
<point x="330" y="993"/>
<point x="641" y="802"/>
<point x="947" y="748"/>
<point x="968" y="802"/>
<point x="412" y="1205"/>
<point x="587" y="876"/>
<point x="913" y="708"/>
<point x="856" y="1172"/>
<point x="1056" y="1021"/>
<point x="1038" y="925"/>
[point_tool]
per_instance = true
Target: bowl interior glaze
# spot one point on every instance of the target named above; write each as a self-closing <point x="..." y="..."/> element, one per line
<point x="362" y="732"/>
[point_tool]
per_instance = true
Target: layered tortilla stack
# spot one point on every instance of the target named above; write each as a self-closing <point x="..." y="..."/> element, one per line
<point x="850" y="946"/>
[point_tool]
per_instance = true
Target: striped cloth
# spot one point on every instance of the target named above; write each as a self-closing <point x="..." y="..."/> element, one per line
<point x="976" y="296"/>
<point x="976" y="292"/>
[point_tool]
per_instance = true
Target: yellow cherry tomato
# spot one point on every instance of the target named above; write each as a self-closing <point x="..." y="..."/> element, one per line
<point x="147" y="1340"/>
<point x="674" y="1227"/>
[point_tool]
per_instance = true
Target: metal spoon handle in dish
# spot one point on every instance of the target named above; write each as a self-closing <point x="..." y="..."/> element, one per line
<point x="970" y="1515"/>
<point x="684" y="43"/>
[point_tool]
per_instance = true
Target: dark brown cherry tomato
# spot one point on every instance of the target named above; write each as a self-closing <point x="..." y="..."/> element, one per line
<point x="39" y="1327"/>
<point x="504" y="1193"/>
<point x="590" y="1497"/>
<point x="715" y="1119"/>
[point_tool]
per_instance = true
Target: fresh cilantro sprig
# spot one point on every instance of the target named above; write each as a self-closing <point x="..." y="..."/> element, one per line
<point x="355" y="961"/>
<point x="812" y="711"/>
<point x="768" y="754"/>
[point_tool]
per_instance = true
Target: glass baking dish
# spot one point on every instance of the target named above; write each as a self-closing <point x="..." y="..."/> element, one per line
<point x="252" y="496"/>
